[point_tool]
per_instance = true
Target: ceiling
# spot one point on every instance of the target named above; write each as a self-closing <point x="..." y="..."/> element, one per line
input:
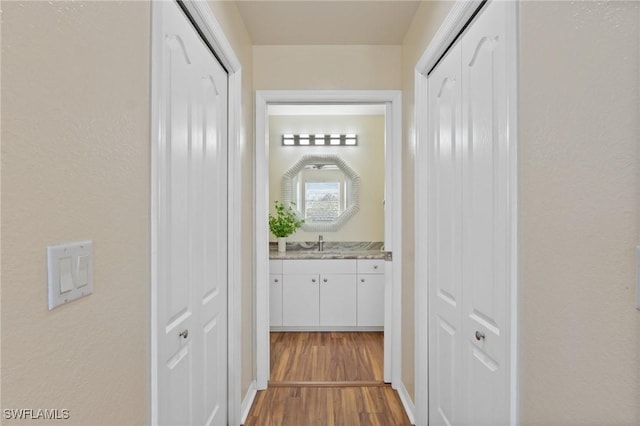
<point x="304" y="22"/>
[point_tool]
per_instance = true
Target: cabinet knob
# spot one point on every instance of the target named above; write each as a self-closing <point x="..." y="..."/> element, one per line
<point x="361" y="280"/>
<point x="325" y="280"/>
<point x="313" y="280"/>
<point x="275" y="280"/>
<point x="375" y="266"/>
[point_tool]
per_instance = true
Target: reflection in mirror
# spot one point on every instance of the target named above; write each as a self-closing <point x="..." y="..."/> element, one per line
<point x="324" y="190"/>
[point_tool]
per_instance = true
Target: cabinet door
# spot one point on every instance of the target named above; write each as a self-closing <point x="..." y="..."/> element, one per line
<point x="300" y="300"/>
<point x="338" y="300"/>
<point x="275" y="300"/>
<point x="371" y="300"/>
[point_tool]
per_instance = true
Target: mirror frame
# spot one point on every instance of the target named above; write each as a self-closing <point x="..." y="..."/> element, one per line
<point x="353" y="187"/>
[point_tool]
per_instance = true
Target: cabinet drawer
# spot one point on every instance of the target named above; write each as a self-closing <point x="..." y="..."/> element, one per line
<point x="371" y="266"/>
<point x="275" y="266"/>
<point x="319" y="266"/>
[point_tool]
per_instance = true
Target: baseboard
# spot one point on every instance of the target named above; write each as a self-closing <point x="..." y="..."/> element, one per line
<point x="247" y="402"/>
<point x="409" y="407"/>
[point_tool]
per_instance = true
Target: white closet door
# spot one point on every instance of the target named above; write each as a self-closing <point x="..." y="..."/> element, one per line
<point x="469" y="223"/>
<point x="445" y="237"/>
<point x="486" y="219"/>
<point x="191" y="228"/>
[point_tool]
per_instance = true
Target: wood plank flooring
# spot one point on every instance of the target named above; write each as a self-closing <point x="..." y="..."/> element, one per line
<point x="326" y="357"/>
<point x="313" y="406"/>
<point x="327" y="379"/>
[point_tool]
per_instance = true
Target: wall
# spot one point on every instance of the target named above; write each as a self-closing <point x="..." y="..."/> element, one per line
<point x="426" y="22"/>
<point x="226" y="13"/>
<point x="75" y="165"/>
<point x="366" y="159"/>
<point x="326" y="67"/>
<point x="579" y="213"/>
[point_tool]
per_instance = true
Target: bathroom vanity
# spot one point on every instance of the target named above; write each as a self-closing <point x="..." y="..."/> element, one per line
<point x="334" y="290"/>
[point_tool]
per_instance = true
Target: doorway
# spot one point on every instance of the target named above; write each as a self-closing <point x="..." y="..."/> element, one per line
<point x="390" y="102"/>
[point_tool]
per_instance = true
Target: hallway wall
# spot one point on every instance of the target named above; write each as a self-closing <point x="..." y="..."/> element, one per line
<point x="579" y="164"/>
<point x="327" y="67"/>
<point x="76" y="166"/>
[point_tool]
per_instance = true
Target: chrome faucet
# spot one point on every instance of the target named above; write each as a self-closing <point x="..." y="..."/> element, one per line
<point x="320" y="243"/>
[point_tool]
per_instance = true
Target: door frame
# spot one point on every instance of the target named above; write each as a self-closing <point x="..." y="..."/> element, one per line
<point x="393" y="216"/>
<point x="455" y="22"/>
<point x="208" y="26"/>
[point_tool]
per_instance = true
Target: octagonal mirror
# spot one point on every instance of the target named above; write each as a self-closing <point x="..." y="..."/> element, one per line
<point x="324" y="191"/>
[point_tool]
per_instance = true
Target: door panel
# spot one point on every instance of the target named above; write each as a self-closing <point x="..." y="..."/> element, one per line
<point x="444" y="225"/>
<point x="300" y="300"/>
<point x="486" y="213"/>
<point x="192" y="228"/>
<point x="469" y="222"/>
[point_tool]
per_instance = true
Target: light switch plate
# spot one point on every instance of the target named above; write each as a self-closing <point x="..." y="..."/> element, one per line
<point x="70" y="272"/>
<point x="638" y="278"/>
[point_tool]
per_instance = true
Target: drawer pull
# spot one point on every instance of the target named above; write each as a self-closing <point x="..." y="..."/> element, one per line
<point x="375" y="266"/>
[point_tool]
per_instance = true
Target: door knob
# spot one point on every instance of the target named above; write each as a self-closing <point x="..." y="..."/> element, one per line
<point x="479" y="335"/>
<point x="184" y="333"/>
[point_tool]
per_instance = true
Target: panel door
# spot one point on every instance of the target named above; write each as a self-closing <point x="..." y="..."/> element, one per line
<point x="300" y="300"/>
<point x="445" y="241"/>
<point x="486" y="218"/>
<point x="192" y="228"/>
<point x="275" y="300"/>
<point x="338" y="300"/>
<point x="370" y="300"/>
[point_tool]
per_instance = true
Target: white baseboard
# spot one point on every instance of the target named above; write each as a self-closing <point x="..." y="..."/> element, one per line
<point x="247" y="402"/>
<point x="409" y="407"/>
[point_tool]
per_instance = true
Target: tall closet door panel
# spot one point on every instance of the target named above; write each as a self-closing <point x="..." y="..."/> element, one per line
<point x="485" y="217"/>
<point x="445" y="237"/>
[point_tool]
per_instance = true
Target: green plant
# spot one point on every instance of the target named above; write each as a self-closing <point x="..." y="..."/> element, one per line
<point x="285" y="222"/>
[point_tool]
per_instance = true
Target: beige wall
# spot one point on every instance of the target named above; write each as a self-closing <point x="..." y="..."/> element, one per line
<point x="426" y="22"/>
<point x="579" y="213"/>
<point x="326" y="67"/>
<point x="366" y="159"/>
<point x="226" y="12"/>
<point x="75" y="165"/>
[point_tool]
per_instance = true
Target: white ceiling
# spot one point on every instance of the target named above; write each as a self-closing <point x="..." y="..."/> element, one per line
<point x="301" y="22"/>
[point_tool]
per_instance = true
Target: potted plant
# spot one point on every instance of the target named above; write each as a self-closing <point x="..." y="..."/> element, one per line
<point x="283" y="224"/>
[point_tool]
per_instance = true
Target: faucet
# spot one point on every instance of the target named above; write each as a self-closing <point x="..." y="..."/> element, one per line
<point x="320" y="243"/>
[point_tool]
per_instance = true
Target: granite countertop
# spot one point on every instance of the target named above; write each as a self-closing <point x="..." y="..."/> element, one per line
<point x="332" y="250"/>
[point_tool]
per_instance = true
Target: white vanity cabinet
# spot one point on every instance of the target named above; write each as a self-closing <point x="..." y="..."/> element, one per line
<point x="275" y="293"/>
<point x="324" y="294"/>
<point x="371" y="292"/>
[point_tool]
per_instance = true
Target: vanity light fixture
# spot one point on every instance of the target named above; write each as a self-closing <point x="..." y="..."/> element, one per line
<point x="333" y="139"/>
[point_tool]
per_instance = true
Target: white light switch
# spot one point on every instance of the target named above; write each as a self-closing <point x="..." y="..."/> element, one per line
<point x="66" y="279"/>
<point x="638" y="278"/>
<point x="70" y="272"/>
<point x="82" y="271"/>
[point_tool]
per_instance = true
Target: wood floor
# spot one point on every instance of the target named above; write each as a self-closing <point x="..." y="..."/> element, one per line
<point x="327" y="379"/>
<point x="326" y="357"/>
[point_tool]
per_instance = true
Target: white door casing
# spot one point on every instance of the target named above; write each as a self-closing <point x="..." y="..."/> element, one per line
<point x="470" y="193"/>
<point x="191" y="229"/>
<point x="393" y="218"/>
